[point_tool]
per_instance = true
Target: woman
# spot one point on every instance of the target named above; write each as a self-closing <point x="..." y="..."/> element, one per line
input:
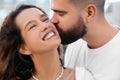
<point x="29" y="47"/>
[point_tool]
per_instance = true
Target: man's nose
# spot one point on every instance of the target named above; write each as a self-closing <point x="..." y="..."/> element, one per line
<point x="54" y="20"/>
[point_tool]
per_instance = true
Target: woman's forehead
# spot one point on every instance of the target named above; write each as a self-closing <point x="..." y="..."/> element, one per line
<point x="27" y="15"/>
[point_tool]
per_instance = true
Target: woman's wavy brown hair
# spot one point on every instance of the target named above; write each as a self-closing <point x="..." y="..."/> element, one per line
<point x="13" y="65"/>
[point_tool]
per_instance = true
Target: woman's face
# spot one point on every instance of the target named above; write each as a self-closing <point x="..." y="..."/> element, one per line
<point x="38" y="33"/>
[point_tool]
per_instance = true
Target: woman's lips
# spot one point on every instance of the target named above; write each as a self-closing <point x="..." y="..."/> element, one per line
<point x="48" y="35"/>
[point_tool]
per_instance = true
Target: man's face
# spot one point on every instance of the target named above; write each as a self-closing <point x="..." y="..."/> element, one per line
<point x="68" y="21"/>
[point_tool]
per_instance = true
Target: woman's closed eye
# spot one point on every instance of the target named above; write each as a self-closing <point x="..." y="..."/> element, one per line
<point x="32" y="26"/>
<point x="46" y="20"/>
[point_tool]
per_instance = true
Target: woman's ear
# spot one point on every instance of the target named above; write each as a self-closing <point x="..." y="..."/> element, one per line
<point x="24" y="50"/>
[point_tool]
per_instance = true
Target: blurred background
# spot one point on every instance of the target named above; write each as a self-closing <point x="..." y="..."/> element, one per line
<point x="6" y="6"/>
<point x="112" y="11"/>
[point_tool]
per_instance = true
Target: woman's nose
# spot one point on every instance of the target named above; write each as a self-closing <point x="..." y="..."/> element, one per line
<point x="44" y="27"/>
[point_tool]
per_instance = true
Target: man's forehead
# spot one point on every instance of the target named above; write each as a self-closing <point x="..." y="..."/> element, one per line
<point x="53" y="2"/>
<point x="59" y="3"/>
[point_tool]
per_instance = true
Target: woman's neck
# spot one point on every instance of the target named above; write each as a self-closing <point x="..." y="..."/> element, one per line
<point x="47" y="66"/>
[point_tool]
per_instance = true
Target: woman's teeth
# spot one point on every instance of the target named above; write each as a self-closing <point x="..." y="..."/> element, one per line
<point x="49" y="35"/>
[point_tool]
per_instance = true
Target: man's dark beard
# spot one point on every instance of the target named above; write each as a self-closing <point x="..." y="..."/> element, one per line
<point x="74" y="33"/>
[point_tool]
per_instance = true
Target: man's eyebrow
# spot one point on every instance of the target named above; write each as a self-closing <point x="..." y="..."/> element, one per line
<point x="59" y="11"/>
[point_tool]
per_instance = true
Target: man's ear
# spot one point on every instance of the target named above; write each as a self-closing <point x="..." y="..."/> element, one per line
<point x="24" y="50"/>
<point x="90" y="12"/>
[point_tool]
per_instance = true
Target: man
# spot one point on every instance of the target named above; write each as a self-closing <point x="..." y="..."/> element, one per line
<point x="98" y="49"/>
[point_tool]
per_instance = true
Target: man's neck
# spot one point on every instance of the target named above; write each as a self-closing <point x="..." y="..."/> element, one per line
<point x="100" y="37"/>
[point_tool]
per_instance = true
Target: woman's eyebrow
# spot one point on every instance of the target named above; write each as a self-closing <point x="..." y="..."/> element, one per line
<point x="41" y="16"/>
<point x="29" y="22"/>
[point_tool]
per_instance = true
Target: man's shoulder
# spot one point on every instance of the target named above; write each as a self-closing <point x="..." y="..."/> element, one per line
<point x="75" y="52"/>
<point x="76" y="47"/>
<point x="78" y="43"/>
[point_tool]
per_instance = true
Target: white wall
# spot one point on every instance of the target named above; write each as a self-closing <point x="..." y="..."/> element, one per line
<point x="113" y="13"/>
